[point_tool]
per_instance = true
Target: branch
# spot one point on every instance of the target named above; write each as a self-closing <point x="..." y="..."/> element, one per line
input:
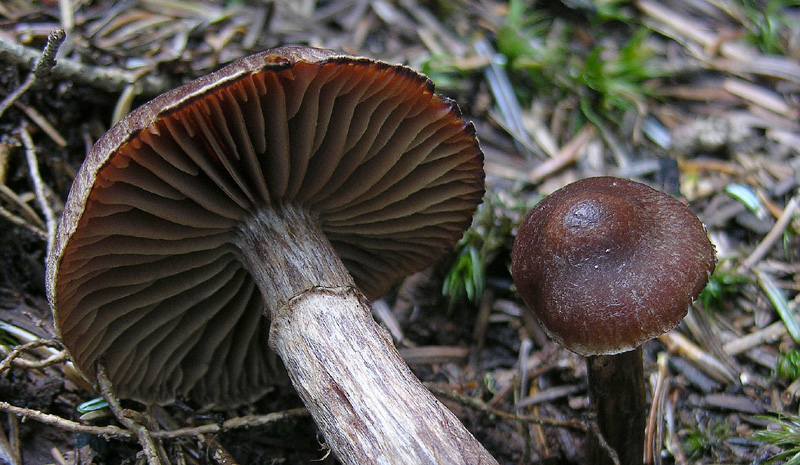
<point x="10" y="359"/>
<point x="115" y="432"/>
<point x="142" y="433"/>
<point x="38" y="185"/>
<point x="585" y="426"/>
<point x="104" y="78"/>
<point x="44" y="63"/>
<point x="68" y="425"/>
<point x="249" y="421"/>
<point x="482" y="407"/>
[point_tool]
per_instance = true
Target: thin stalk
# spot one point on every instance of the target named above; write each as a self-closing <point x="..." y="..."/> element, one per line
<point x="617" y="396"/>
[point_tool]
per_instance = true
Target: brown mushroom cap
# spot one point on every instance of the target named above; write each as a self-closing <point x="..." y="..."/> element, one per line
<point x="144" y="272"/>
<point x="606" y="264"/>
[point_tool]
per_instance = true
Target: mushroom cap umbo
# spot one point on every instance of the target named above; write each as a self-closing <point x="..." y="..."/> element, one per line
<point x="606" y="264"/>
<point x="144" y="273"/>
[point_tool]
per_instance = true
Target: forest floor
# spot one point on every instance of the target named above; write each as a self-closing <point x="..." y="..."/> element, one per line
<point x="699" y="99"/>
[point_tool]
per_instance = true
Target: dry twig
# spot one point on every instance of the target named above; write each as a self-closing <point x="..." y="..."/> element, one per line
<point x="8" y="456"/>
<point x="655" y="418"/>
<point x="38" y="185"/>
<point x="250" y="421"/>
<point x="115" y="432"/>
<point x="104" y="78"/>
<point x="67" y="425"/>
<point x="17" y="221"/>
<point x="775" y="233"/>
<point x="680" y="345"/>
<point x="142" y="434"/>
<point x="483" y="407"/>
<point x="44" y="64"/>
<point x="585" y="426"/>
<point x="12" y="357"/>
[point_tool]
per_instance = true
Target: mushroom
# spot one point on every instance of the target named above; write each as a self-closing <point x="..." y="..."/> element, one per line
<point x="606" y="264"/>
<point x="261" y="207"/>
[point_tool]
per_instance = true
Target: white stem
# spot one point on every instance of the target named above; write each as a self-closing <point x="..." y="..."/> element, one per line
<point x="365" y="400"/>
<point x="368" y="404"/>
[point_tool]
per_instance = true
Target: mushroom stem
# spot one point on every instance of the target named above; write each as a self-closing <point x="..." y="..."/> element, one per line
<point x="368" y="404"/>
<point x="366" y="401"/>
<point x="617" y="396"/>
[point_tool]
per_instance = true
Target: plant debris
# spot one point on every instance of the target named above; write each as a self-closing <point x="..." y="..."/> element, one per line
<point x="698" y="99"/>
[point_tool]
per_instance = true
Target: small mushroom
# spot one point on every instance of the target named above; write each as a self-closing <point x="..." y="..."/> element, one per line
<point x="260" y="207"/>
<point x="606" y="264"/>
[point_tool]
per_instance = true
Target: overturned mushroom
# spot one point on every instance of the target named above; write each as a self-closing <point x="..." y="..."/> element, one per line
<point x="279" y="186"/>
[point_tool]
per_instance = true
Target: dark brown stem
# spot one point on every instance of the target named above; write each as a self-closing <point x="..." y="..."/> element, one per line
<point x="617" y="396"/>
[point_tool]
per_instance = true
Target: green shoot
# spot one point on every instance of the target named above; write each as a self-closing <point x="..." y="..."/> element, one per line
<point x="704" y="439"/>
<point x="535" y="48"/>
<point x="483" y="242"/>
<point x="779" y="302"/>
<point x="465" y="278"/>
<point x="788" y="365"/>
<point x="768" y="24"/>
<point x="722" y="284"/>
<point x="7" y="339"/>
<point x="546" y="56"/>
<point x="748" y="198"/>
<point x="522" y="32"/>
<point x="445" y="72"/>
<point x="786" y="435"/>
<point x="619" y="78"/>
<point x="98" y="403"/>
<point x="612" y="10"/>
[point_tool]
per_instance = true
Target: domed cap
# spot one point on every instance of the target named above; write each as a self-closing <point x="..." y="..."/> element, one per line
<point x="145" y="273"/>
<point x="606" y="264"/>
